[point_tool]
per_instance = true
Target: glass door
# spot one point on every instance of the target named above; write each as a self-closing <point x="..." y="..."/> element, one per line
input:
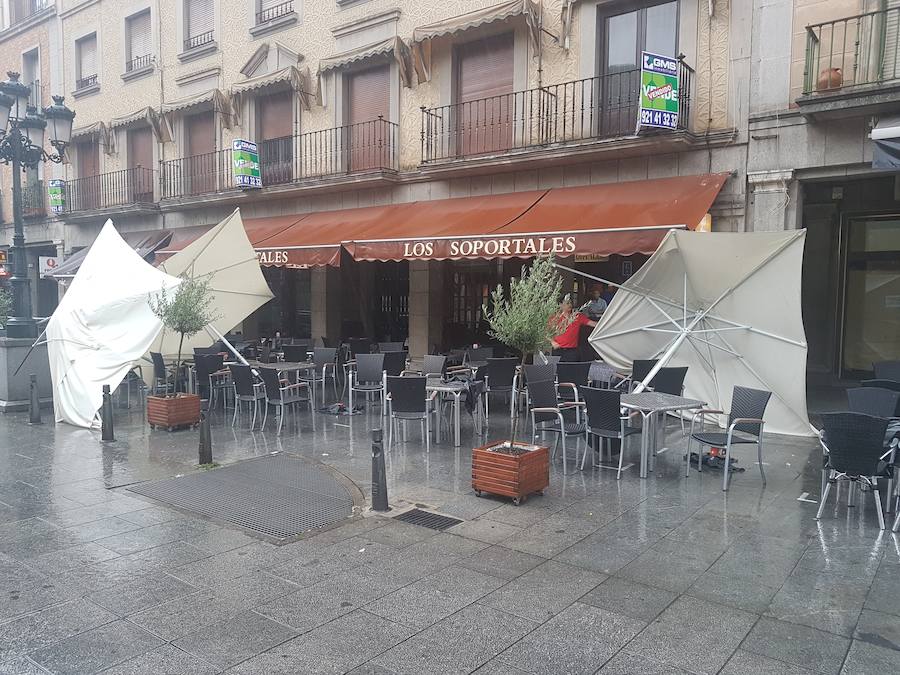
<point x="871" y="330"/>
<point x="624" y="35"/>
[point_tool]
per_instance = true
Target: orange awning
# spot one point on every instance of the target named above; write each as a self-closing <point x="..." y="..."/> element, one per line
<point x="622" y="218"/>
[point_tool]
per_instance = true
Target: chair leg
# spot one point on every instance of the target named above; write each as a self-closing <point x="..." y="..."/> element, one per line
<point x="727" y="467"/>
<point x="824" y="499"/>
<point x="255" y="409"/>
<point x="622" y="456"/>
<point x="878" y="509"/>
<point x="759" y="459"/>
<point x="265" y="416"/>
<point x="234" y="416"/>
<point x="562" y="436"/>
<point x="896" y="526"/>
<point x="280" y="418"/>
<point x="687" y="459"/>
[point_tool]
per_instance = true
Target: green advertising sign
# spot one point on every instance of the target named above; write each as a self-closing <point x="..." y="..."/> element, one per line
<point x="56" y="191"/>
<point x="245" y="164"/>
<point x="659" y="92"/>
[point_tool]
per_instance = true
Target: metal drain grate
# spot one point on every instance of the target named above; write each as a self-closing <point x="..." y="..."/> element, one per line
<point x="277" y="497"/>
<point x="434" y="521"/>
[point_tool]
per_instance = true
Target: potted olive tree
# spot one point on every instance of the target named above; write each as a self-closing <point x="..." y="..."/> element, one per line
<point x="185" y="312"/>
<point x="520" y="319"/>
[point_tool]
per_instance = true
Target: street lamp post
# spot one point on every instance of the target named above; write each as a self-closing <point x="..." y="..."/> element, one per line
<point x="22" y="146"/>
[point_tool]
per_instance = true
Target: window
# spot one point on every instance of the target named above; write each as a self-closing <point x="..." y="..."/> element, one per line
<point x="484" y="87"/>
<point x="199" y="18"/>
<point x="368" y="113"/>
<point x="269" y="10"/>
<point x="138" y="45"/>
<point x="86" y="62"/>
<point x="140" y="164"/>
<point x="202" y="164"/>
<point x="623" y="37"/>
<point x="85" y="189"/>
<point x="31" y="76"/>
<point x="275" y="116"/>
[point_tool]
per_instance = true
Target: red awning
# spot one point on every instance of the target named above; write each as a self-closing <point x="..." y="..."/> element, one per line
<point x="621" y="218"/>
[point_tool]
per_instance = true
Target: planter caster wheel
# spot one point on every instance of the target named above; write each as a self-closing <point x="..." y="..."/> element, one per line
<point x="479" y="493"/>
<point x="540" y="493"/>
<point x="517" y="500"/>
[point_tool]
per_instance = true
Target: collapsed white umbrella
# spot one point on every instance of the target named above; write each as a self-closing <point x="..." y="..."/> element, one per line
<point x="727" y="306"/>
<point x="225" y="259"/>
<point x="102" y="327"/>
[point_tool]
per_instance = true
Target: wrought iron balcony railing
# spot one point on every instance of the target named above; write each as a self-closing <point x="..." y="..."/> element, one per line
<point x="349" y="149"/>
<point x="852" y="52"/>
<point x="138" y="62"/>
<point x="594" y="108"/>
<point x="85" y="82"/>
<point x="127" y="187"/>
<point x="19" y="10"/>
<point x="199" y="40"/>
<point x="275" y="12"/>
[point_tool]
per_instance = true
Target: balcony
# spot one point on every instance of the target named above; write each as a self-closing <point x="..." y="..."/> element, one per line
<point x="21" y="10"/>
<point x="276" y="12"/>
<point x="196" y="41"/>
<point x="592" y="109"/>
<point x="35" y="98"/>
<point x="132" y="188"/>
<point x="852" y="63"/>
<point x="348" y="151"/>
<point x="33" y="202"/>
<point x="139" y="63"/>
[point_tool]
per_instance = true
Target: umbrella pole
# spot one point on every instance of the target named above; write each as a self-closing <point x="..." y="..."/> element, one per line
<point x="663" y="360"/>
<point x="218" y="336"/>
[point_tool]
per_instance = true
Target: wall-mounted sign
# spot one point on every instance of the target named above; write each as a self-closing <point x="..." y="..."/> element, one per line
<point x="502" y="247"/>
<point x="659" y="92"/>
<point x="245" y="164"/>
<point x="56" y="191"/>
<point x="627" y="269"/>
<point x="46" y="265"/>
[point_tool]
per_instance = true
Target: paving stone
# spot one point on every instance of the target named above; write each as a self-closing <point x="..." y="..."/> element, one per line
<point x="98" y="529"/>
<point x="429" y="600"/>
<point x="334" y="648"/>
<point x="552" y="535"/>
<point x="627" y="663"/>
<point x="488" y="531"/>
<point x="223" y="566"/>
<point x="147" y="591"/>
<point x="231" y="640"/>
<point x="864" y="657"/>
<point x="19" y="665"/>
<point x="23" y="594"/>
<point x="797" y="645"/>
<point x="458" y="644"/>
<point x="884" y="594"/>
<point x="168" y="660"/>
<point x="544" y="591"/>
<point x="747" y="663"/>
<point x="398" y="534"/>
<point x="153" y="535"/>
<point x="559" y="645"/>
<point x="879" y="629"/>
<point x="822" y="600"/>
<point x="333" y="560"/>
<point x="49" y="625"/>
<point x="627" y="597"/>
<point x="220" y="540"/>
<point x="176" y="618"/>
<point x="694" y="635"/>
<point x="502" y="562"/>
<point x="96" y="649"/>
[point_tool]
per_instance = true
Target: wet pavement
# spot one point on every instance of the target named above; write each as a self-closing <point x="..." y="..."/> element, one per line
<point x="666" y="575"/>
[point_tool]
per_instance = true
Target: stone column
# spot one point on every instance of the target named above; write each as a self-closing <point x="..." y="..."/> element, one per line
<point x="325" y="302"/>
<point x="426" y="306"/>
<point x="773" y="200"/>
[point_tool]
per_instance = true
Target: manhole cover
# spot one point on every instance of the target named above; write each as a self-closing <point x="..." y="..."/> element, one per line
<point x="277" y="497"/>
<point x="434" y="521"/>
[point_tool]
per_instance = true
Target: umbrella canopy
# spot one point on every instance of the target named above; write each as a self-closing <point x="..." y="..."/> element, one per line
<point x="102" y="327"/>
<point x="727" y="305"/>
<point x="225" y="258"/>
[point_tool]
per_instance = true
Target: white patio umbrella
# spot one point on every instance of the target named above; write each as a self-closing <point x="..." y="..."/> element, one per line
<point x="102" y="327"/>
<point x="226" y="259"/>
<point x="727" y="306"/>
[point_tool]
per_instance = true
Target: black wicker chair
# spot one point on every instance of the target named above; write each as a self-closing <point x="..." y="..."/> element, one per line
<point x="408" y="401"/>
<point x="893" y="385"/>
<point x="745" y="425"/>
<point x="395" y="362"/>
<point x="571" y="377"/>
<point x="547" y="415"/>
<point x="246" y="390"/>
<point x="295" y="353"/>
<point x="640" y="369"/>
<point x="874" y="401"/>
<point x="281" y="395"/>
<point x="605" y="421"/>
<point x="368" y="377"/>
<point x="324" y="359"/>
<point x="500" y="376"/>
<point x="854" y="443"/>
<point x="887" y="370"/>
<point x="671" y="381"/>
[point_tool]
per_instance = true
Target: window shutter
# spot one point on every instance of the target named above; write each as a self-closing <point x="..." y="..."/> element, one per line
<point x="486" y="68"/>
<point x="275" y="115"/>
<point x="139" y="36"/>
<point x="369" y="93"/>
<point x="200" y="17"/>
<point x="87" y="57"/>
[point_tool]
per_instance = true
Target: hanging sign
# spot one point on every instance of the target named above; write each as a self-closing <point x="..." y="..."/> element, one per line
<point x="245" y="164"/>
<point x="56" y="191"/>
<point x="659" y="92"/>
<point x="46" y="265"/>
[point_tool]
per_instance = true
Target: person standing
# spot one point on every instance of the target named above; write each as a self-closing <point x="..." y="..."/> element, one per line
<point x="565" y="344"/>
<point x="595" y="307"/>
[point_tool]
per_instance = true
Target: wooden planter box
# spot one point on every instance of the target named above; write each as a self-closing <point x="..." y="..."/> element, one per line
<point x="172" y="412"/>
<point x="515" y="476"/>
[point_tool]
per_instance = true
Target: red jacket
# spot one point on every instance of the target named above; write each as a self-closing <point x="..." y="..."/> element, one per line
<point x="568" y="339"/>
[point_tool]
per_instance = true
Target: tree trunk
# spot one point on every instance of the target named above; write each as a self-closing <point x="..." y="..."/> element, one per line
<point x="515" y="394"/>
<point x="178" y="362"/>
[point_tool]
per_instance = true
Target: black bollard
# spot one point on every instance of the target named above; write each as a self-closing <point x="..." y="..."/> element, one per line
<point x="379" y="478"/>
<point x="205" y="434"/>
<point x="106" y="416"/>
<point x="34" y="403"/>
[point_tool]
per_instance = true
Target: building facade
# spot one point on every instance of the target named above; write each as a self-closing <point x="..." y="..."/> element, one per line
<point x="365" y="103"/>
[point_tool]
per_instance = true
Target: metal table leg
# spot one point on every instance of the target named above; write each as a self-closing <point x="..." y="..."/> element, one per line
<point x="457" y="395"/>
<point x="645" y="441"/>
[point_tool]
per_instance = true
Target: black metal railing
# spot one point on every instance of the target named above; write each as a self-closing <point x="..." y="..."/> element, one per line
<point x="199" y="40"/>
<point x="352" y="148"/>
<point x="275" y="12"/>
<point x="196" y="175"/>
<point x="594" y="108"/>
<point x="19" y="10"/>
<point x="36" y="98"/>
<point x="85" y="82"/>
<point x="126" y="187"/>
<point x="33" y="202"/>
<point x="853" y="51"/>
<point x="138" y="62"/>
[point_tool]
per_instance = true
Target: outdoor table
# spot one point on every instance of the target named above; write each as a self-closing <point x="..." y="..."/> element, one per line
<point x="651" y="404"/>
<point x="456" y="389"/>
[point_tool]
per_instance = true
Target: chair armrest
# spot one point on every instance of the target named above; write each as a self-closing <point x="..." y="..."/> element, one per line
<point x="431" y="396"/>
<point x="298" y="385"/>
<point x="404" y="373"/>
<point x="572" y="404"/>
<point x="570" y="385"/>
<point x="709" y="411"/>
<point x="745" y="420"/>
<point x="454" y="369"/>
<point x="555" y="411"/>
